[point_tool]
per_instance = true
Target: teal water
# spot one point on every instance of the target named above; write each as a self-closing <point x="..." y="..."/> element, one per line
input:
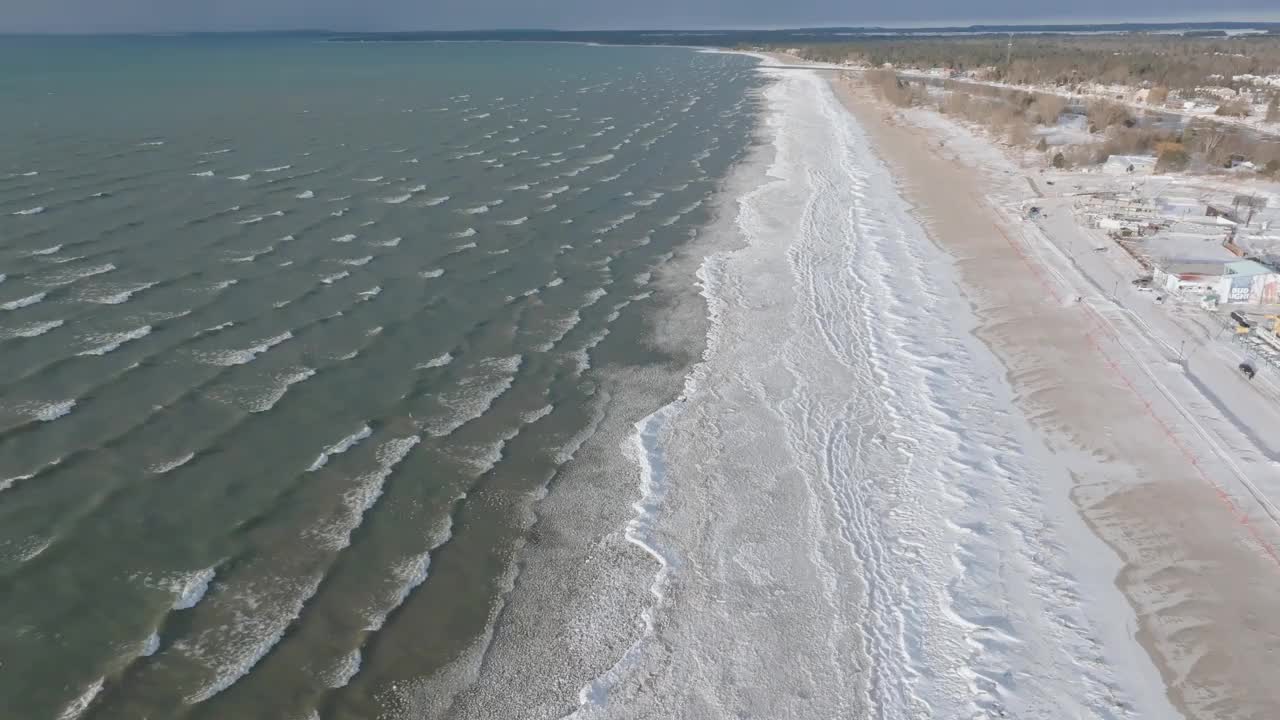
<point x="291" y="332"/>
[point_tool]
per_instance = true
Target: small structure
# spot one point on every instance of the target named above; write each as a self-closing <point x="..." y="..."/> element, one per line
<point x="1129" y="165"/>
<point x="1248" y="281"/>
<point x="1192" y="278"/>
<point x="1217" y="212"/>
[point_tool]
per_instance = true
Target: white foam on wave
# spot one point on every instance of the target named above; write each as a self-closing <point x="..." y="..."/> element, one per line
<point x="174" y="464"/>
<point x="283" y="383"/>
<point x="473" y="395"/>
<point x="280" y="168"/>
<point x="240" y="178"/>
<point x="331" y="279"/>
<point x="408" y="574"/>
<point x="397" y="199"/>
<point x="464" y="246"/>
<point x="334" y="532"/>
<point x="305" y="195"/>
<point x="259" y="218"/>
<point x="9" y="481"/>
<point x="203" y="173"/>
<point x="340" y="447"/>
<point x="260" y="611"/>
<point x="189" y="589"/>
<point x="393" y="242"/>
<point x="150" y="645"/>
<point x="122" y="296"/>
<point x="517" y="221"/>
<point x="112" y="342"/>
<point x="228" y="358"/>
<point x="436" y="362"/>
<point x="81" y="702"/>
<point x="30" y="211"/>
<point x="374" y="179"/>
<point x="429" y="274"/>
<point x="69" y="276"/>
<point x="463" y="233"/>
<point x="34" y="329"/>
<point x="45" y="251"/>
<point x="22" y="302"/>
<point x="343" y="238"/>
<point x="555" y="282"/>
<point x="357" y="262"/>
<point x="216" y="328"/>
<point x="371" y="293"/>
<point x="253" y="255"/>
<point x="345" y="669"/>
<point x="560" y="329"/>
<point x="615" y="224"/>
<point x="477" y="210"/>
<point x="432" y="202"/>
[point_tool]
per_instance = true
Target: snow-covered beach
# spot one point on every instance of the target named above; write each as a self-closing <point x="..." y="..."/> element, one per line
<point x="847" y="512"/>
<point x="913" y="475"/>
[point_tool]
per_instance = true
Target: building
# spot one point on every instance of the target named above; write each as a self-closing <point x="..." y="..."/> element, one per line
<point x="1129" y="165"/>
<point x="1248" y="281"/>
<point x="1190" y="278"/>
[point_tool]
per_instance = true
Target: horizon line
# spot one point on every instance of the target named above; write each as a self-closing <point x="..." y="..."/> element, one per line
<point x="891" y="26"/>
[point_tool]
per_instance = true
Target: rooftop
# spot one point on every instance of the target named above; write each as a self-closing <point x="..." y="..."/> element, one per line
<point x="1247" y="267"/>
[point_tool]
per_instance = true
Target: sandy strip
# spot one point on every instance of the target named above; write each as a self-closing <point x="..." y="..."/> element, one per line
<point x="1201" y="582"/>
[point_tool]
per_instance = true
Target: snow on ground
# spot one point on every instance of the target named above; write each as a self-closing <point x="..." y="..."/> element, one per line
<point x="854" y="519"/>
<point x="1183" y="362"/>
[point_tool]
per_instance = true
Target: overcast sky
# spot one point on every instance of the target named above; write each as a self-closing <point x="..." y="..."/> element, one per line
<point x="164" y="15"/>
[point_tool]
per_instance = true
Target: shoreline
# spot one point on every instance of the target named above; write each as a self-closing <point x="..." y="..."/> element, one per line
<point x="1137" y="493"/>
<point x="580" y="591"/>
<point x="830" y="497"/>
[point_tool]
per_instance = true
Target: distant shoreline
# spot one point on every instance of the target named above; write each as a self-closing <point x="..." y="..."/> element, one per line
<point x="728" y="37"/>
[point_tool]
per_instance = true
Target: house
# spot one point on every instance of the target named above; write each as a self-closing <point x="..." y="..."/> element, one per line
<point x="1217" y="212"/>
<point x="1249" y="281"/>
<point x="1129" y="165"/>
<point x="1196" y="278"/>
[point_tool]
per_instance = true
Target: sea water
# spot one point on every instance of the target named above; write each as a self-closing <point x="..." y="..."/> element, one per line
<point x="295" y="334"/>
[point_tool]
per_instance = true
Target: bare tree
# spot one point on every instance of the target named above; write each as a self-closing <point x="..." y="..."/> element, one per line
<point x="1233" y="108"/>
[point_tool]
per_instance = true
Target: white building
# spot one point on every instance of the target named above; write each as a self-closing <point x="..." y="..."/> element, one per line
<point x="1188" y="278"/>
<point x="1246" y="281"/>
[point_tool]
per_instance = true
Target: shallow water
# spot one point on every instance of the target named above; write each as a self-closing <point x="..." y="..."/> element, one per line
<point x="291" y="334"/>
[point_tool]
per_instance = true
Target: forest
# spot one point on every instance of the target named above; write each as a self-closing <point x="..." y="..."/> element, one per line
<point x="1166" y="61"/>
<point x="1022" y="118"/>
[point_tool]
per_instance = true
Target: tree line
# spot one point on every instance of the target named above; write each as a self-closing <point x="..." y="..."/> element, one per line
<point x="1159" y="61"/>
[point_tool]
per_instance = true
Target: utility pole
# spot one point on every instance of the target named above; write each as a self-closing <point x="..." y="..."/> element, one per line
<point x="1008" y="52"/>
